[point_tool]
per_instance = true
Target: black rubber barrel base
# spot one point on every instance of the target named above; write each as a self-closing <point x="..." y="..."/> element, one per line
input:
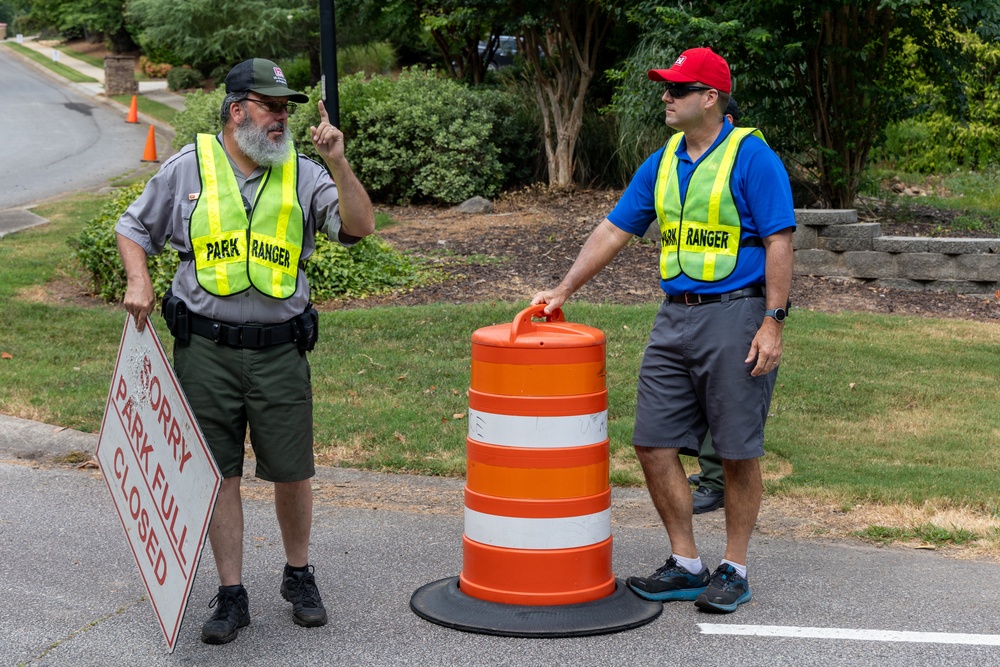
<point x="443" y="603"/>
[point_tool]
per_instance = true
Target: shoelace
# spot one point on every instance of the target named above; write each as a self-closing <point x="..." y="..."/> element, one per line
<point x="226" y="604"/>
<point x="305" y="590"/>
<point x="670" y="566"/>
<point x="729" y="578"/>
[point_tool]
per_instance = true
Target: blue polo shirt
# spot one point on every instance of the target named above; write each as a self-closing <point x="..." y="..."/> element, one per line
<point x="760" y="188"/>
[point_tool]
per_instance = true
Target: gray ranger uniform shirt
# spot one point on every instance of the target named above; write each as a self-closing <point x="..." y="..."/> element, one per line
<point x="163" y="212"/>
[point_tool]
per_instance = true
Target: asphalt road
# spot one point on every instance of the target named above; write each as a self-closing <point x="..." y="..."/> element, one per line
<point x="58" y="139"/>
<point x="71" y="593"/>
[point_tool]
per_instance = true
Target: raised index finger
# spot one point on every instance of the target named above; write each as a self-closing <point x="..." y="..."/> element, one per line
<point x="324" y="117"/>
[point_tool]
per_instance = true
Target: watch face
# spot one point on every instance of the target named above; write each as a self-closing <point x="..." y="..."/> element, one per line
<point x="778" y="314"/>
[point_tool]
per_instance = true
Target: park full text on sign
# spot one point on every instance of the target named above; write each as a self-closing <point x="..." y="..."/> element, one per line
<point x="165" y="504"/>
<point x="162" y="478"/>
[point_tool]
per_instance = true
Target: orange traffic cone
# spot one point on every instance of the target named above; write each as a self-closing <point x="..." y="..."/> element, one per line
<point x="133" y="112"/>
<point x="150" y="153"/>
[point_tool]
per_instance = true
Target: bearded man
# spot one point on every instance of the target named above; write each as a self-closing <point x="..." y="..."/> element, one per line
<point x="242" y="209"/>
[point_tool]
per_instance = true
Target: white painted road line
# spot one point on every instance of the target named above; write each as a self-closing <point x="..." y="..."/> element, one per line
<point x="848" y="633"/>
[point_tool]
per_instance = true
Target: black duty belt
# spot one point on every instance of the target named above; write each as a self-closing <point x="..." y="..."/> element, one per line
<point x="242" y="335"/>
<point x="689" y="299"/>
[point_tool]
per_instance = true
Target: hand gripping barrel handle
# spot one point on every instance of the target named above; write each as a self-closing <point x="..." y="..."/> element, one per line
<point x="523" y="320"/>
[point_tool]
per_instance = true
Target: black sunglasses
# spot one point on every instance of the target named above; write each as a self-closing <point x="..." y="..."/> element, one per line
<point x="275" y="107"/>
<point x="679" y="90"/>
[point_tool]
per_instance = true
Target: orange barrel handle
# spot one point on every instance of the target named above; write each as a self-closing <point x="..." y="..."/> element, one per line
<point x="523" y="321"/>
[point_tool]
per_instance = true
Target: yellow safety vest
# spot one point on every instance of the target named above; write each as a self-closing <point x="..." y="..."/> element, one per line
<point x="233" y="253"/>
<point x="700" y="237"/>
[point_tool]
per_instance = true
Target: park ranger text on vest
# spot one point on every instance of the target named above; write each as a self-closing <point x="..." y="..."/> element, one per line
<point x="242" y="209"/>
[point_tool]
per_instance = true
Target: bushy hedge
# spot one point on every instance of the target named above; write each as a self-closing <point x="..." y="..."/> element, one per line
<point x="416" y="138"/>
<point x="182" y="78"/>
<point x="938" y="143"/>
<point x="97" y="250"/>
<point x="200" y="114"/>
<point x="370" y="267"/>
<point x="422" y="137"/>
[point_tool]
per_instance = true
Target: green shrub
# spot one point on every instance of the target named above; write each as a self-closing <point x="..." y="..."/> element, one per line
<point x="182" y="78"/>
<point x="370" y="267"/>
<point x="937" y="144"/>
<point x="372" y="58"/>
<point x="201" y="114"/>
<point x="298" y="73"/>
<point x="517" y="132"/>
<point x="97" y="250"/>
<point x="423" y="137"/>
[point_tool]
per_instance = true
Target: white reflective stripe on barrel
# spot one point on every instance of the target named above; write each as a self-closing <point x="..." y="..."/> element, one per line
<point x="519" y="533"/>
<point x="512" y="431"/>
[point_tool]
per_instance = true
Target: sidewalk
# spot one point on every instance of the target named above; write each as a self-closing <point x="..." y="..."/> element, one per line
<point x="155" y="89"/>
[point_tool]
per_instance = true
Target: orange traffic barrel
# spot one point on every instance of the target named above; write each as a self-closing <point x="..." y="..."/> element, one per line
<point x="537" y="497"/>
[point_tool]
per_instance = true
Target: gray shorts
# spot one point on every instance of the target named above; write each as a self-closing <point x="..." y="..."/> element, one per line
<point x="693" y="380"/>
<point x="268" y="388"/>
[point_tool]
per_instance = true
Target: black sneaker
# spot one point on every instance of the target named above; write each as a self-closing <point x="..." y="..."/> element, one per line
<point x="725" y="592"/>
<point x="705" y="499"/>
<point x="232" y="612"/>
<point x="670" y="582"/>
<point x="299" y="588"/>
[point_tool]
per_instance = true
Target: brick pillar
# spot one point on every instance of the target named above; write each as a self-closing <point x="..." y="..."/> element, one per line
<point x="119" y="76"/>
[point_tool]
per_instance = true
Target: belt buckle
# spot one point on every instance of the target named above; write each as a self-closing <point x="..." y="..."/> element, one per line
<point x="253" y="339"/>
<point x="688" y="302"/>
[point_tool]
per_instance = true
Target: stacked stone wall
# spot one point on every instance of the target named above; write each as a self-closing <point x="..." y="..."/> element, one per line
<point x="833" y="243"/>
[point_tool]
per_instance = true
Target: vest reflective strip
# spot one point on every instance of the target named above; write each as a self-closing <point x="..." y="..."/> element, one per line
<point x="723" y="175"/>
<point x="210" y="179"/>
<point x="668" y="251"/>
<point x="538" y="432"/>
<point x="521" y="533"/>
<point x="287" y="196"/>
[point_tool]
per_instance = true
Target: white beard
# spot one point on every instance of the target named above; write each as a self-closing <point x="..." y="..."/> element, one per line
<point x="257" y="146"/>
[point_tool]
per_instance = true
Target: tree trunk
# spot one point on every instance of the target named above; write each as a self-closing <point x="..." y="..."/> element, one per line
<point x="561" y="60"/>
<point x="837" y="79"/>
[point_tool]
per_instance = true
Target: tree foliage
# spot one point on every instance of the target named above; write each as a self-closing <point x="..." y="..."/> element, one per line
<point x="458" y="26"/>
<point x="85" y="17"/>
<point x="942" y="136"/>
<point x="208" y="34"/>
<point x="824" y="79"/>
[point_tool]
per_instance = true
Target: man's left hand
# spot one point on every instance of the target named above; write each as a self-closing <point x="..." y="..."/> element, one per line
<point x="765" y="348"/>
<point x="327" y="139"/>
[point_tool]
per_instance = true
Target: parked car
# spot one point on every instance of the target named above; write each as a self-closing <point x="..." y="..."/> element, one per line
<point x="504" y="54"/>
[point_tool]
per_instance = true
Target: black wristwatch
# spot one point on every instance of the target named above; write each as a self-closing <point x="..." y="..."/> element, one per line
<point x="777" y="313"/>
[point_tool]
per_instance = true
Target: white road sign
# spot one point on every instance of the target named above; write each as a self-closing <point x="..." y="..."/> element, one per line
<point x="162" y="477"/>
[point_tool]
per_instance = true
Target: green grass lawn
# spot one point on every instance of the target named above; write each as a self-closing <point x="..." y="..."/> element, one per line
<point x="868" y="408"/>
<point x="58" y="68"/>
<point x="157" y="110"/>
<point x="83" y="57"/>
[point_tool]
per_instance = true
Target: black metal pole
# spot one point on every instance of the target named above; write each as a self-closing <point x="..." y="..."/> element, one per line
<point x="328" y="60"/>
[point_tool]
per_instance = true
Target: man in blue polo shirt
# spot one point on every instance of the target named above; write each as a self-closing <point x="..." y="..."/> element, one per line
<point x="723" y="203"/>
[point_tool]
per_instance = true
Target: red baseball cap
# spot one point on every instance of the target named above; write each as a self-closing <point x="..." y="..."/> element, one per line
<point x="702" y="65"/>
